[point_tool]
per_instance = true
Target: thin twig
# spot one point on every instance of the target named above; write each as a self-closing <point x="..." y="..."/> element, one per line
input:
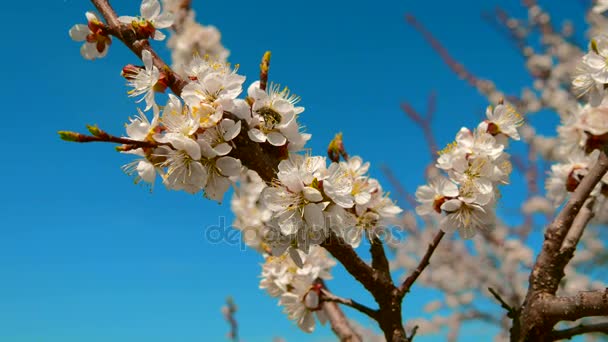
<point x="127" y="35"/>
<point x="579" y="330"/>
<point x="502" y="302"/>
<point x="330" y="297"/>
<point x="424" y="262"/>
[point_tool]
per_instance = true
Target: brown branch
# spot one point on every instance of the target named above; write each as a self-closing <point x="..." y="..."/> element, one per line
<point x="424" y="122"/>
<point x="424" y="262"/>
<point x="379" y="260"/>
<point x="338" y="321"/>
<point x="410" y="337"/>
<point x="330" y="297"/>
<point x="82" y="138"/>
<point x="583" y="304"/>
<point x="361" y="271"/>
<point x="480" y="84"/>
<point x="579" y="330"/>
<point x="381" y="287"/>
<point x="536" y="319"/>
<point x="456" y="67"/>
<point x="578" y="227"/>
<point x="543" y="21"/>
<point x="229" y="310"/>
<point x="549" y="268"/>
<point x="128" y="36"/>
<point x="263" y="159"/>
<point x="502" y="302"/>
<point x="403" y="193"/>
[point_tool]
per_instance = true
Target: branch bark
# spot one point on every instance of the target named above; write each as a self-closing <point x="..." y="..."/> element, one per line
<point x="540" y="311"/>
<point x="579" y="330"/>
<point x="584" y="304"/>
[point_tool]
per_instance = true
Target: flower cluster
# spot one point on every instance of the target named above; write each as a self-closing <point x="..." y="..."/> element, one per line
<point x="475" y="164"/>
<point x="297" y="287"/>
<point x="190" y="38"/>
<point x="584" y="132"/>
<point x="308" y="200"/>
<point x="150" y="20"/>
<point x="592" y="71"/>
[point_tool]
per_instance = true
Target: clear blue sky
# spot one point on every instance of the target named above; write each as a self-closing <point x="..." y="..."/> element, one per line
<point x="85" y="255"/>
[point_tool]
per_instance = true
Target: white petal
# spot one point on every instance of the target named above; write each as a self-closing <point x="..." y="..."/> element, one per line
<point x="146" y="57"/>
<point x="290" y="222"/>
<point x="222" y="149"/>
<point x="164" y="20"/>
<point x="256" y="135"/>
<point x="91" y="16"/>
<point x="312" y="194"/>
<point x="125" y="19"/>
<point x="451" y="205"/>
<point x="313" y="214"/>
<point x="276" y="139"/>
<point x="229" y="166"/>
<point x="232" y="130"/>
<point x="159" y="35"/>
<point x="150" y="9"/>
<point x="79" y="32"/>
<point x="217" y="187"/>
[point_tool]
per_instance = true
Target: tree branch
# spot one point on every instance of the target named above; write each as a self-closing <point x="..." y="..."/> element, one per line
<point x="541" y="310"/>
<point x="330" y="297"/>
<point x="137" y="44"/>
<point x="583" y="304"/>
<point x="578" y="227"/>
<point x="409" y="281"/>
<point x="263" y="159"/>
<point x="379" y="260"/>
<point x="549" y="267"/>
<point x="361" y="271"/>
<point x="579" y="330"/>
<point x="502" y="302"/>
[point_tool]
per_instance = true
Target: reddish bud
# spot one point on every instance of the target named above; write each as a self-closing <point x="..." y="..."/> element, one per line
<point x="129" y="71"/>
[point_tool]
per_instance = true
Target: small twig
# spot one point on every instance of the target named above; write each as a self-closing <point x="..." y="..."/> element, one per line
<point x="502" y="302"/>
<point x="82" y="138"/>
<point x="424" y="262"/>
<point x="424" y="123"/>
<point x="410" y="337"/>
<point x="340" y="325"/>
<point x="401" y="191"/>
<point x="578" y="330"/>
<point x="330" y="297"/>
<point x="229" y="310"/>
<point x="127" y="35"/>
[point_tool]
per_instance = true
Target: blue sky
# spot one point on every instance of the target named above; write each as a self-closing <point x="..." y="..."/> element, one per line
<point x="85" y="255"/>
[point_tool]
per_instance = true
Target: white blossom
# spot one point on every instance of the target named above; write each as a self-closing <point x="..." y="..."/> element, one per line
<point x="150" y="16"/>
<point x="145" y="80"/>
<point x="94" y="35"/>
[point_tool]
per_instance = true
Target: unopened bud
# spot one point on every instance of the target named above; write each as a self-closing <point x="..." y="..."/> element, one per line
<point x="69" y="136"/>
<point x="336" y="149"/>
<point x="130" y="71"/>
<point x="96" y="131"/>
